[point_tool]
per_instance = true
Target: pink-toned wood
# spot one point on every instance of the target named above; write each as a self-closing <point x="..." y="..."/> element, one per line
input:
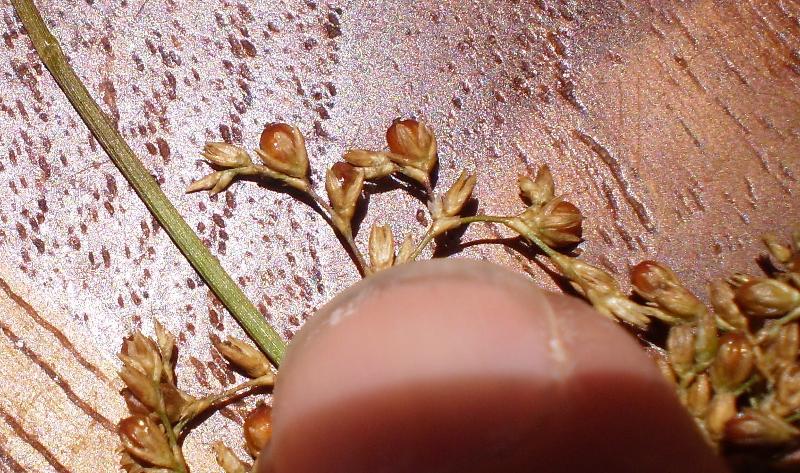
<point x="675" y="127"/>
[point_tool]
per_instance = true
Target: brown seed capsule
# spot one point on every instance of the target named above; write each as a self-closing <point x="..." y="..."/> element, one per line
<point x="538" y="191"/>
<point x="175" y="401"/>
<point x="381" y="247"/>
<point x="767" y="298"/>
<point x="258" y="428"/>
<point x="243" y="356"/>
<point x="721" y="410"/>
<point x="226" y="155"/>
<point x="752" y="427"/>
<point x="733" y="363"/>
<point x="414" y="143"/>
<point x="698" y="396"/>
<point x="143" y="439"/>
<point x="658" y="284"/>
<point x="721" y="296"/>
<point x="282" y="148"/>
<point x="344" y="183"/>
<point x="680" y="348"/>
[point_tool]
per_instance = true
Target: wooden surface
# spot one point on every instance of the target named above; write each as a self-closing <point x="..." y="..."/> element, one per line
<point x="674" y="126"/>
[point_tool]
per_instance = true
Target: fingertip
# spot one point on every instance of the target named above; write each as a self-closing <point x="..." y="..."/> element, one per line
<point x="463" y="366"/>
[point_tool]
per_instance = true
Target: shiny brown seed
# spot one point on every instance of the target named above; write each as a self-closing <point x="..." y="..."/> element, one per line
<point x="658" y="284"/>
<point x="733" y="363"/>
<point x="282" y="148"/>
<point x="258" y="428"/>
<point x="767" y="298"/>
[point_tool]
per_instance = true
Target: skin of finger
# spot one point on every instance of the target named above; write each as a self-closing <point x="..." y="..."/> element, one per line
<point x="464" y="366"/>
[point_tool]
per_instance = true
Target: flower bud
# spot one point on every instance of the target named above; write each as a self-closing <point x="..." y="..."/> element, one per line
<point x="557" y="224"/>
<point x="752" y="427"/>
<point x="721" y="410"/>
<point x="538" y="191"/>
<point x="698" y="396"/>
<point x="226" y="155"/>
<point x="143" y="439"/>
<point x="141" y="354"/>
<point x="406" y="250"/>
<point x="227" y="460"/>
<point x="658" y="284"/>
<point x="258" y="428"/>
<point x="243" y="356"/>
<point x="205" y="183"/>
<point x="721" y="296"/>
<point x="782" y="253"/>
<point x="680" y="348"/>
<point x="414" y="143"/>
<point x="282" y="148"/>
<point x="141" y="386"/>
<point x="767" y="298"/>
<point x="733" y="363"/>
<point x="458" y="194"/>
<point x="374" y="164"/>
<point x="381" y="247"/>
<point x="166" y="347"/>
<point x="343" y="182"/>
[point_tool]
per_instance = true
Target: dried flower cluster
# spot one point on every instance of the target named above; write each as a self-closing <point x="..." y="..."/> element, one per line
<point x="160" y="411"/>
<point x="734" y="364"/>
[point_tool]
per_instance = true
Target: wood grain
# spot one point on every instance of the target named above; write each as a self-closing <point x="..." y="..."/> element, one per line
<point x="675" y="127"/>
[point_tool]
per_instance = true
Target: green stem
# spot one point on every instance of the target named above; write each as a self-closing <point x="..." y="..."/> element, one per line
<point x="361" y="262"/>
<point x="145" y="186"/>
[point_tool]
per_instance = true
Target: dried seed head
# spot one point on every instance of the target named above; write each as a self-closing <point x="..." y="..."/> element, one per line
<point x="344" y="183"/>
<point x="381" y="247"/>
<point x="141" y="354"/>
<point x="243" y="356"/>
<point x="721" y="296"/>
<point x="414" y="143"/>
<point x="144" y="440"/>
<point x="406" y="250"/>
<point x="141" y="386"/>
<point x="658" y="284"/>
<point x="698" y="396"/>
<point x="537" y="191"/>
<point x="226" y="155"/>
<point x="782" y="253"/>
<point x="721" y="410"/>
<point x="680" y="348"/>
<point x="458" y="194"/>
<point x="258" y="428"/>
<point x="752" y="427"/>
<point x="282" y="148"/>
<point x="767" y="298"/>
<point x="558" y="224"/>
<point x="733" y="363"/>
<point x="228" y="460"/>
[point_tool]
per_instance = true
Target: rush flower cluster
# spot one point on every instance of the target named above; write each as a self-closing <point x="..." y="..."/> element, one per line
<point x="734" y="364"/>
